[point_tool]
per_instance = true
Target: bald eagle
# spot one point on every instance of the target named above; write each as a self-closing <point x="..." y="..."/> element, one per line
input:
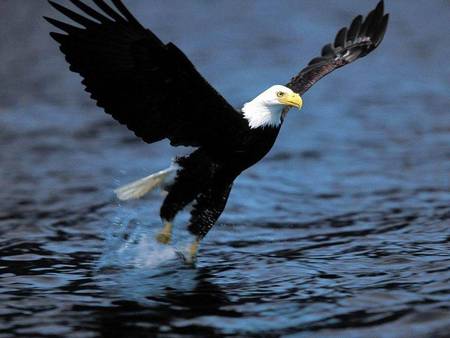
<point x="153" y="89"/>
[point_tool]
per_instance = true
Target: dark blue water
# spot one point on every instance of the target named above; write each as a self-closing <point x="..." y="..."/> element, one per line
<point x="342" y="231"/>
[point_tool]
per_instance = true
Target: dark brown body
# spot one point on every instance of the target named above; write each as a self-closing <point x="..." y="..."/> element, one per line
<point x="207" y="175"/>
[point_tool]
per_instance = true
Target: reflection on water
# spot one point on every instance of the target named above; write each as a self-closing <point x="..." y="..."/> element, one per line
<point x="342" y="231"/>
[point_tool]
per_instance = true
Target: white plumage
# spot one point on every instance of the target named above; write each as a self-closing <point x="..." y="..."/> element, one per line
<point x="265" y="110"/>
<point x="139" y="188"/>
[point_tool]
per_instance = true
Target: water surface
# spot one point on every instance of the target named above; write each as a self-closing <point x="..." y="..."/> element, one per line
<point x="342" y="231"/>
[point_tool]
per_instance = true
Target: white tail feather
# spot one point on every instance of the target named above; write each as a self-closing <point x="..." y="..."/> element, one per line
<point x="139" y="188"/>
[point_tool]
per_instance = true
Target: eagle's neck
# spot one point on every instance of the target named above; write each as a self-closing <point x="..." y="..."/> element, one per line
<point x="260" y="114"/>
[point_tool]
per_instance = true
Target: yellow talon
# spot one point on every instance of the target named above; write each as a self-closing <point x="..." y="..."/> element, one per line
<point x="165" y="235"/>
<point x="192" y="254"/>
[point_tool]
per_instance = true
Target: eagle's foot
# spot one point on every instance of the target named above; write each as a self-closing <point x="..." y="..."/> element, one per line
<point x="165" y="235"/>
<point x="191" y="255"/>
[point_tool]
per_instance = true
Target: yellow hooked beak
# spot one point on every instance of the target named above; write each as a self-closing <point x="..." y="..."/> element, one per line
<point x="292" y="99"/>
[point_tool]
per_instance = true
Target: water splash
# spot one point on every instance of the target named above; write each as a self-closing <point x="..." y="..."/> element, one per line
<point x="133" y="245"/>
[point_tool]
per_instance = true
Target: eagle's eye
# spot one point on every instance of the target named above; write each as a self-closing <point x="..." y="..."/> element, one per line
<point x="280" y="94"/>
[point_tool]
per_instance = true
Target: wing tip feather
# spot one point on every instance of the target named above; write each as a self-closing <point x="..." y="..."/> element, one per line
<point x="125" y="12"/>
<point x="351" y="43"/>
<point x="341" y="38"/>
<point x="72" y="15"/>
<point x="62" y="25"/>
<point x="90" y="11"/>
<point x="107" y="9"/>
<point x="379" y="36"/>
<point x="58" y="37"/>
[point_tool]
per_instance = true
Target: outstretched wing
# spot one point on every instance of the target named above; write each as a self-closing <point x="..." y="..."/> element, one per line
<point x="149" y="86"/>
<point x="350" y="44"/>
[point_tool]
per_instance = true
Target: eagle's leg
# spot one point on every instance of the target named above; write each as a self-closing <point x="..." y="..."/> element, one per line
<point x="192" y="250"/>
<point x="205" y="213"/>
<point x="179" y="194"/>
<point x="165" y="235"/>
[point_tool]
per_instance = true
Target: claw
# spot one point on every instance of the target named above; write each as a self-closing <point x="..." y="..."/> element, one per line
<point x="191" y="255"/>
<point x="164" y="238"/>
<point x="165" y="235"/>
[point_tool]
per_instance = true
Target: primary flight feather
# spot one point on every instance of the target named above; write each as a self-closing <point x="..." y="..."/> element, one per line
<point x="155" y="90"/>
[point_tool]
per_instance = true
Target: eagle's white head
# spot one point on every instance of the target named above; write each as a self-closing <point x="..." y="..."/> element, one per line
<point x="266" y="109"/>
